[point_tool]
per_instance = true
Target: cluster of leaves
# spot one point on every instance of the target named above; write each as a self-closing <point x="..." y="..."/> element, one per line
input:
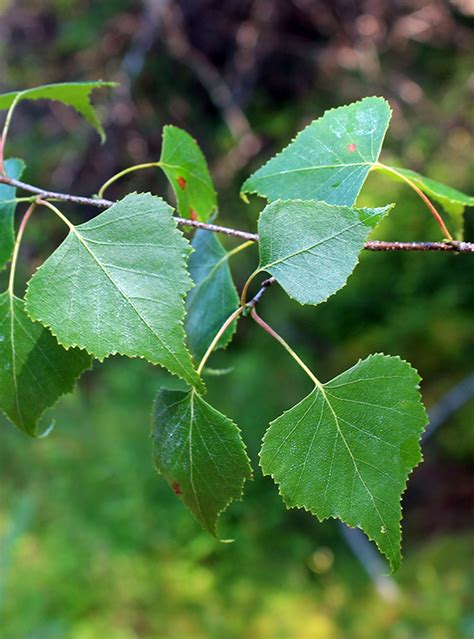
<point x="128" y="282"/>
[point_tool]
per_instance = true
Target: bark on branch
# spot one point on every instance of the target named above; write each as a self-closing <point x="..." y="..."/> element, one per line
<point x="374" y="245"/>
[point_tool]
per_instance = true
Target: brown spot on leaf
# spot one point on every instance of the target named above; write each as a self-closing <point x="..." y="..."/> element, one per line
<point x="193" y="215"/>
<point x="176" y="488"/>
<point x="351" y="148"/>
<point x="182" y="182"/>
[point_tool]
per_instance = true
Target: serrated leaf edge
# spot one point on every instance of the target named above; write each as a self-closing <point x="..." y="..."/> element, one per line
<point x="393" y="564"/>
<point x="93" y="84"/>
<point x="247" y="191"/>
<point x="238" y="496"/>
<point x="387" y="208"/>
<point x="188" y="249"/>
<point x="436" y="196"/>
<point x="69" y="388"/>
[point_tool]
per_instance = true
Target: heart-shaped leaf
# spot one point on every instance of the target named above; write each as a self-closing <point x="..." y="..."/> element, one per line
<point x="311" y="248"/>
<point x="200" y="453"/>
<point x="346" y="450"/>
<point x="117" y="285"/>
<point x="330" y="159"/>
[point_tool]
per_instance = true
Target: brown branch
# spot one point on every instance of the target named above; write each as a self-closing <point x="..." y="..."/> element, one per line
<point x="258" y="296"/>
<point x="52" y="195"/>
<point x="374" y="245"/>
<point x="452" y="246"/>
<point x="103" y="204"/>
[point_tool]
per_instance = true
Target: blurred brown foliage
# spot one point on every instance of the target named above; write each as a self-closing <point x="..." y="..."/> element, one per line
<point x="228" y="70"/>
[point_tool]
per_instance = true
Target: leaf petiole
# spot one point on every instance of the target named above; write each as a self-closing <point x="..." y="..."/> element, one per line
<point x="419" y="192"/>
<point x="233" y="316"/>
<point x="243" y="296"/>
<point x="5" y="130"/>
<point x="266" y="327"/>
<point x="240" y="247"/>
<point x="16" y="248"/>
<point x="55" y="210"/>
<point x="117" y="176"/>
<point x="18" y="200"/>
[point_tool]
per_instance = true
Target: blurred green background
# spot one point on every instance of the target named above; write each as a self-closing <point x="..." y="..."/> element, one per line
<point x="93" y="543"/>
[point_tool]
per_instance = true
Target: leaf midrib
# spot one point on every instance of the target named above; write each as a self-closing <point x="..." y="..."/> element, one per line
<point x="314" y="168"/>
<point x="185" y="167"/>
<point x="354" y="461"/>
<point x="191" y="465"/>
<point x="83" y="241"/>
<point x="309" y="248"/>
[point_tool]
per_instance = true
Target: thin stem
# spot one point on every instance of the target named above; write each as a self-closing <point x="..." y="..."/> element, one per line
<point x="53" y="195"/>
<point x="117" y="176"/>
<point x="18" y="200"/>
<point x="104" y="204"/>
<point x="286" y="346"/>
<point x="452" y="246"/>
<point x="16" y="248"/>
<point x="219" y="334"/>
<point x="55" y="210"/>
<point x="240" y="247"/>
<point x="6" y="128"/>
<point x="263" y="289"/>
<point x="426" y="200"/>
<point x="243" y="296"/>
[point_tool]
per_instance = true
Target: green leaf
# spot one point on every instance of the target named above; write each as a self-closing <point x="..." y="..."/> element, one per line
<point x="311" y="248"/>
<point x="34" y="369"/>
<point x="346" y="450"/>
<point x="185" y="166"/>
<point x="330" y="159"/>
<point x="214" y="296"/>
<point x="14" y="169"/>
<point x="117" y="285"/>
<point x="452" y="200"/>
<point x="74" y="94"/>
<point x="200" y="453"/>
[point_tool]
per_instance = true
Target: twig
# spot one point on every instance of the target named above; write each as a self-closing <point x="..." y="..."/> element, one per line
<point x="256" y="298"/>
<point x="52" y="195"/>
<point x="452" y="245"/>
<point x="104" y="204"/>
<point x="374" y="245"/>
